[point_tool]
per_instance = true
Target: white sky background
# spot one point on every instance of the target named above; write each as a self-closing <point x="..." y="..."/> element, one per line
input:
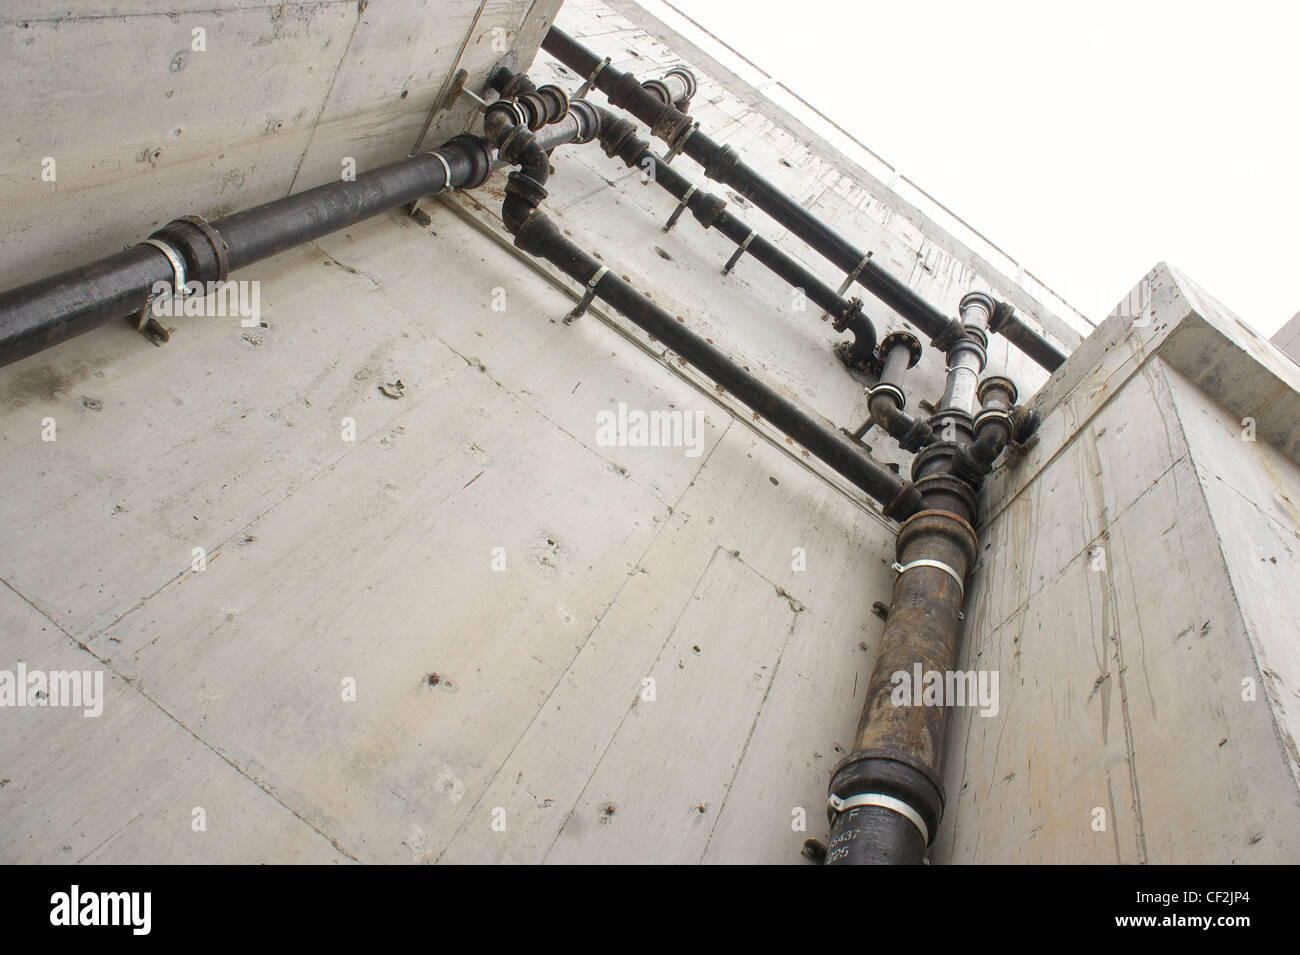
<point x="1089" y="140"/>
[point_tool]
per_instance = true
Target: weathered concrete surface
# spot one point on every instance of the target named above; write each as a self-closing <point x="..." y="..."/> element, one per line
<point x="144" y="128"/>
<point x="1136" y="594"/>
<point x="1287" y="338"/>
<point x="509" y="695"/>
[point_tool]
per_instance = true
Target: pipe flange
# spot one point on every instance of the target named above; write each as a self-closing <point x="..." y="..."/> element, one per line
<point x="901" y="338"/>
<point x="951" y="486"/>
<point x="980" y="336"/>
<point x="557" y="99"/>
<point x="535" y="107"/>
<point x="216" y="242"/>
<point x="851" y="309"/>
<point x="943" y="524"/>
<point x="206" y="255"/>
<point x="615" y="135"/>
<point x="688" y="78"/>
<point x="979" y="299"/>
<point x="516" y="85"/>
<point x="890" y="773"/>
<point x="852" y="357"/>
<point x="992" y="414"/>
<point x="526" y="188"/>
<point x="994" y="382"/>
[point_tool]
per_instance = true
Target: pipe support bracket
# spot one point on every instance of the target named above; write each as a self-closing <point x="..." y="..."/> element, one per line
<point x="838" y="805"/>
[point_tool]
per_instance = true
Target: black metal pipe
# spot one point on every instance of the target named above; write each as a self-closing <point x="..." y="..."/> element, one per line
<point x="886" y="400"/>
<point x="266" y="230"/>
<point x="886" y="797"/>
<point x="1010" y="326"/>
<point x="724" y="165"/>
<point x="41" y="314"/>
<point x="51" y="310"/>
<point x="536" y="234"/>
<point x="540" y="236"/>
<point x="618" y="138"/>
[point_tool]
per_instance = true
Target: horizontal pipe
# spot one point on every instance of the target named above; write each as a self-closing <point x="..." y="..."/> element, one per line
<point x="51" y="310"/>
<point x="1011" y="327"/>
<point x="41" y="314"/>
<point x="723" y="164"/>
<point x="269" y="229"/>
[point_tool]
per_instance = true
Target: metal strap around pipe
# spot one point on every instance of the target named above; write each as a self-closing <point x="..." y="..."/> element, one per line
<point x="178" y="288"/>
<point x="678" y="146"/>
<point x="585" y="88"/>
<point x="446" y="169"/>
<point x="937" y="565"/>
<point x="839" y="805"/>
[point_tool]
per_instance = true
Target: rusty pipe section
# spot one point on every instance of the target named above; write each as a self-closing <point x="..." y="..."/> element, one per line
<point x="886" y="798"/>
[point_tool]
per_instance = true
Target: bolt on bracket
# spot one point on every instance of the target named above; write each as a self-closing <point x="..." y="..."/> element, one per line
<point x="681" y="207"/>
<point x="587" y="296"/>
<point x="740" y="250"/>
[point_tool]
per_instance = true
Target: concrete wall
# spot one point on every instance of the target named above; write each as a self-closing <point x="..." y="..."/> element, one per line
<point x="489" y="691"/>
<point x="1136" y="593"/>
<point x="1287" y="338"/>
<point x="143" y="127"/>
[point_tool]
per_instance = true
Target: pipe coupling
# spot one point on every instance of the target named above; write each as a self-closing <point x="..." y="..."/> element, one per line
<point x="976" y="308"/>
<point x="997" y="391"/>
<point x="894" y="775"/>
<point x="885" y="388"/>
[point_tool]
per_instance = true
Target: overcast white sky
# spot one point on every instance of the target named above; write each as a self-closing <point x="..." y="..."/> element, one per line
<point x="1089" y="140"/>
